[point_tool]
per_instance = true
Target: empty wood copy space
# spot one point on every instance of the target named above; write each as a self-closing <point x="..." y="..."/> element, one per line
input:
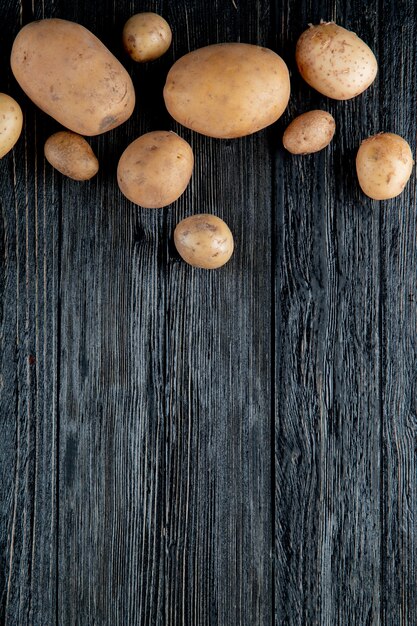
<point x="235" y="447"/>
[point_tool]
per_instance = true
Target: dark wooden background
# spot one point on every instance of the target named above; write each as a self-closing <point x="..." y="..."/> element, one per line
<point x="225" y="448"/>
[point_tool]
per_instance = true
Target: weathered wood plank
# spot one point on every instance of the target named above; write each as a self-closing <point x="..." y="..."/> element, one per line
<point x="29" y="261"/>
<point x="112" y="392"/>
<point x="398" y="74"/>
<point x="328" y="347"/>
<point x="219" y="369"/>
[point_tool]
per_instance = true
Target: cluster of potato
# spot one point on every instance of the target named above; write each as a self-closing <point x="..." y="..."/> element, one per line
<point x="341" y="66"/>
<point x="226" y="90"/>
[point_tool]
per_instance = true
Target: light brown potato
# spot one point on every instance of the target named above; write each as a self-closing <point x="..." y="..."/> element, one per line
<point x="204" y="241"/>
<point x="335" y="61"/>
<point x="309" y="132"/>
<point x="146" y="37"/>
<point x="71" y="155"/>
<point x="384" y="164"/>
<point x="227" y="90"/>
<point x="11" y="121"/>
<point x="72" y="76"/>
<point x="155" y="169"/>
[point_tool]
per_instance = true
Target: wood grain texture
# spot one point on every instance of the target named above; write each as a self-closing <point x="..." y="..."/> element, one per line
<point x="230" y="447"/>
<point x="328" y="402"/>
<point x="219" y="350"/>
<point x="399" y="332"/>
<point x="29" y="260"/>
<point x="112" y="392"/>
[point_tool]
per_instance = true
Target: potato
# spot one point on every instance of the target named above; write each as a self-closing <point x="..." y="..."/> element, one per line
<point x="227" y="90"/>
<point x="309" y="132"/>
<point x="384" y="163"/>
<point x="72" y="76"/>
<point x="11" y="121"/>
<point x="155" y="169"/>
<point x="204" y="241"/>
<point x="71" y="155"/>
<point x="335" y="61"/>
<point x="146" y="36"/>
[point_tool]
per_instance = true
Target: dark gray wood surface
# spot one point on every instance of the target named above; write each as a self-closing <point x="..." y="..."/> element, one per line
<point x="232" y="447"/>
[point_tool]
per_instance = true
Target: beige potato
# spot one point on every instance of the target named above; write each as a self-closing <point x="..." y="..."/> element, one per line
<point x="384" y="164"/>
<point x="309" y="132"/>
<point x="335" y="61"/>
<point x="204" y="241"/>
<point x="11" y="122"/>
<point x="227" y="90"/>
<point x="146" y="36"/>
<point x="71" y="155"/>
<point x="155" y="169"/>
<point x="72" y="76"/>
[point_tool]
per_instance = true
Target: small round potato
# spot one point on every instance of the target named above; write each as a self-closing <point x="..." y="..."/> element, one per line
<point x="155" y="169"/>
<point x="146" y="37"/>
<point x="11" y="121"/>
<point x="335" y="61"/>
<point x="384" y="163"/>
<point x="204" y="241"/>
<point x="71" y="155"/>
<point x="309" y="132"/>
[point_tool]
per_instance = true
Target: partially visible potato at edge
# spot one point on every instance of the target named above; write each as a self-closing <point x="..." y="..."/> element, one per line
<point x="227" y="90"/>
<point x="335" y="61"/>
<point x="155" y="169"/>
<point x="146" y="37"/>
<point x="309" y="132"/>
<point x="204" y="241"/>
<point x="11" y="121"/>
<point x="384" y="163"/>
<point x="71" y="155"/>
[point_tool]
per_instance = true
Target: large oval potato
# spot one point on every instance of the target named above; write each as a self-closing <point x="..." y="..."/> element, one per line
<point x="72" y="76"/>
<point x="155" y="169"/>
<point x="384" y="164"/>
<point x="227" y="90"/>
<point x="335" y="61"/>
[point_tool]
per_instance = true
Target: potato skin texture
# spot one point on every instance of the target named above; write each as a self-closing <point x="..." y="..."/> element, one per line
<point x="146" y="37"/>
<point x="309" y="132"/>
<point x="71" y="155"/>
<point x="227" y="90"/>
<point x="204" y="241"/>
<point x="155" y="169"/>
<point x="384" y="163"/>
<point x="69" y="74"/>
<point x="335" y="61"/>
<point x="11" y="122"/>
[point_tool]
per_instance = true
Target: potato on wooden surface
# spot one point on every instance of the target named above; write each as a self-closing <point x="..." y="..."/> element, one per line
<point x="72" y="76"/>
<point x="384" y="163"/>
<point x="155" y="169"/>
<point x="146" y="36"/>
<point x="227" y="90"/>
<point x="309" y="132"/>
<point x="335" y="61"/>
<point x="71" y="155"/>
<point x="11" y="121"/>
<point x="204" y="241"/>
